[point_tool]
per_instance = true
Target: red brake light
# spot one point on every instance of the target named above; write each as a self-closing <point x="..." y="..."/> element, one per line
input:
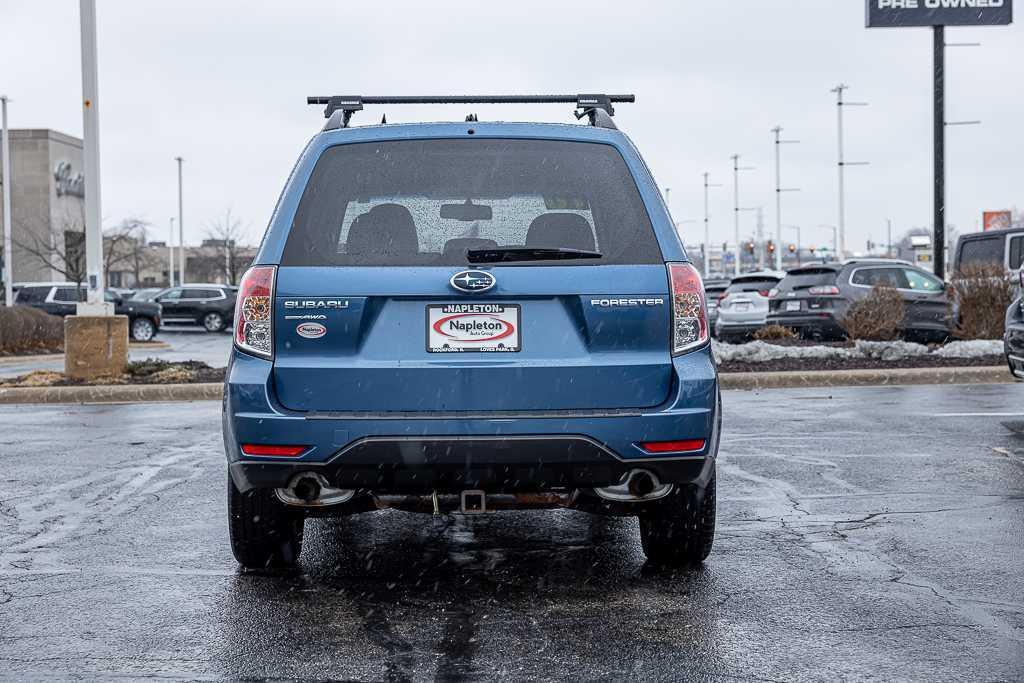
<point x="681" y="446"/>
<point x="254" y="331"/>
<point x="829" y="290"/>
<point x="265" y="449"/>
<point x="689" y="308"/>
<point x="764" y="292"/>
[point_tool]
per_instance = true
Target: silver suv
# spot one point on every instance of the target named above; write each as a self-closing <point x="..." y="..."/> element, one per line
<point x="743" y="308"/>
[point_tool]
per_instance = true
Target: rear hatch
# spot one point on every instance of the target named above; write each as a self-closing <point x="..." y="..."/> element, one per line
<point x="809" y="290"/>
<point x="746" y="300"/>
<point x="471" y="275"/>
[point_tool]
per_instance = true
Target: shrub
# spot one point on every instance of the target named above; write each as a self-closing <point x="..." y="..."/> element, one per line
<point x="775" y="333"/>
<point x="981" y="292"/>
<point x="26" y="330"/>
<point x="876" y="317"/>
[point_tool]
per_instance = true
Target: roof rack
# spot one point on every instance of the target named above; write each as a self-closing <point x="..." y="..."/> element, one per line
<point x="596" y="107"/>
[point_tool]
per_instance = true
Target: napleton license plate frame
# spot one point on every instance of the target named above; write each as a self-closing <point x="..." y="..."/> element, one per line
<point x="509" y="314"/>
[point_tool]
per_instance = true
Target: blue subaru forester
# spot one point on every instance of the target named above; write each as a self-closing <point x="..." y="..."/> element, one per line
<point x="470" y="317"/>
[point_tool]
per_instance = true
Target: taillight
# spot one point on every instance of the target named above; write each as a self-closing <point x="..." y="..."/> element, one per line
<point x="774" y="291"/>
<point x="689" y="309"/>
<point x="254" y="327"/>
<point x="828" y="290"/>
<point x="765" y="292"/>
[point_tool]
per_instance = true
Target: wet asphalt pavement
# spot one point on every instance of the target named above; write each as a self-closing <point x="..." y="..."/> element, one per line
<point x="863" y="533"/>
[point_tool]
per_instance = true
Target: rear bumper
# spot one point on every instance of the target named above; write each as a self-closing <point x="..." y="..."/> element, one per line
<point x="506" y="452"/>
<point x="823" y="323"/>
<point x="1013" y="346"/>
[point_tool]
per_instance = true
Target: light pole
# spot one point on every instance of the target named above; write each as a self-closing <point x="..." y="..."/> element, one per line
<point x="181" y="228"/>
<point x="778" y="193"/>
<point x="840" y="103"/>
<point x="835" y="241"/>
<point x="707" y="225"/>
<point x="736" y="168"/>
<point x="170" y="256"/>
<point x="5" y="171"/>
<point x="95" y="304"/>
<point x="798" y="241"/>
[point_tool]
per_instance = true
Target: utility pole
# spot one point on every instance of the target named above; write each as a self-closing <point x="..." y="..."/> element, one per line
<point x="840" y="103"/>
<point x="778" y="192"/>
<point x="95" y="304"/>
<point x="759" y="238"/>
<point x="170" y="256"/>
<point x="5" y="171"/>
<point x="736" y="168"/>
<point x="888" y="246"/>
<point x="181" y="227"/>
<point x="707" y="226"/>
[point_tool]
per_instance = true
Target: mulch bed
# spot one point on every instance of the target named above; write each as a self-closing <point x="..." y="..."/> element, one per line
<point x="812" y="364"/>
<point x="149" y="371"/>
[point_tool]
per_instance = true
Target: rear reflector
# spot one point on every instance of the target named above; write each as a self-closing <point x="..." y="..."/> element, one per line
<point x="264" y="449"/>
<point x="673" y="446"/>
<point x="689" y="309"/>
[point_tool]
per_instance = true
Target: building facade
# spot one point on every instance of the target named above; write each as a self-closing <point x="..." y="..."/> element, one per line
<point x="47" y="203"/>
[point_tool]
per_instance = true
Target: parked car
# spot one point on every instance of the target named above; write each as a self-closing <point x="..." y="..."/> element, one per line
<point x="61" y="298"/>
<point x="994" y="246"/>
<point x="147" y="294"/>
<point x="1013" y="335"/>
<point x="212" y="306"/>
<point x="743" y="308"/>
<point x="814" y="299"/>
<point x="470" y="317"/>
<point x="714" y="289"/>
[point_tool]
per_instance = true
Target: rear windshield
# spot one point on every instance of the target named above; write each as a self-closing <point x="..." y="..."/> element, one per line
<point x="753" y="285"/>
<point x="985" y="250"/>
<point x="807" y="278"/>
<point x="425" y="202"/>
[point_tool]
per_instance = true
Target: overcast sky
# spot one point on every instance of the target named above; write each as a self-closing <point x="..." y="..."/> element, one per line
<point x="223" y="84"/>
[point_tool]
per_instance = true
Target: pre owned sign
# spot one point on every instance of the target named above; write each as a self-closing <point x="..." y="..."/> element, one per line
<point x="896" y="13"/>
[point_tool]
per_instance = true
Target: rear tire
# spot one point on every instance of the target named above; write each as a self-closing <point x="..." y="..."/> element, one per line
<point x="679" y="530"/>
<point x="264" y="531"/>
<point x="143" y="329"/>
<point x="213" y="322"/>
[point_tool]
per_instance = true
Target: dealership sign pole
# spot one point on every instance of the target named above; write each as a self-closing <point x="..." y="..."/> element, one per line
<point x="938" y="14"/>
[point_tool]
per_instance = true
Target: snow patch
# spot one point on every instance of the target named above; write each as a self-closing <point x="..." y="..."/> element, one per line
<point x="761" y="352"/>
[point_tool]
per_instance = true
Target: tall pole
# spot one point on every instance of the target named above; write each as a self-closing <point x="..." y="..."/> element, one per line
<point x="707" y="226"/>
<point x="736" y="207"/>
<point x="170" y="256"/>
<point x="843" y="163"/>
<point x="939" y="133"/>
<point x="777" y="130"/>
<point x="5" y="171"/>
<point x="91" y="154"/>
<point x="888" y="246"/>
<point x="181" y="228"/>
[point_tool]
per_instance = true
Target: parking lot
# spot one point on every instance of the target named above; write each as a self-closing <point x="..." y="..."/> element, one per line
<point x="872" y="533"/>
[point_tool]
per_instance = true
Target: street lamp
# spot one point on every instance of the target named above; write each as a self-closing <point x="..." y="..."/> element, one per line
<point x="779" y="190"/>
<point x="5" y="171"/>
<point x="835" y="240"/>
<point x="181" y="227"/>
<point x="843" y="163"/>
<point x="707" y="228"/>
<point x="736" y="168"/>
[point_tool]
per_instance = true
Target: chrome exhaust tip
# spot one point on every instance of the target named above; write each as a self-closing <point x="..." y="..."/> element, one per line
<point x="636" y="486"/>
<point x="311" y="489"/>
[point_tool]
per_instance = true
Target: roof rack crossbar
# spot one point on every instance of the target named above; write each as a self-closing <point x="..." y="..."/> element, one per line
<point x="588" y="104"/>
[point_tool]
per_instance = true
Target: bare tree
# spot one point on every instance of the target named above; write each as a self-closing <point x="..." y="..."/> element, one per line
<point x="227" y="236"/>
<point x="124" y="248"/>
<point x="61" y="247"/>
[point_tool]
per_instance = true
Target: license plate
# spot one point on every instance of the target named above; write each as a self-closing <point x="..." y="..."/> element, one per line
<point x="742" y="307"/>
<point x="479" y="328"/>
<point x="792" y="305"/>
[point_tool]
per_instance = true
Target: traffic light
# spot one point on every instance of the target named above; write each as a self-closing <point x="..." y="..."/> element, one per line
<point x="750" y="247"/>
<point x="792" y="249"/>
<point x="811" y="249"/>
<point x="771" y="247"/>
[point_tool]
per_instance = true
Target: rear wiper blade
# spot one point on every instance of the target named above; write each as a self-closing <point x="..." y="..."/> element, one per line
<point x="504" y="254"/>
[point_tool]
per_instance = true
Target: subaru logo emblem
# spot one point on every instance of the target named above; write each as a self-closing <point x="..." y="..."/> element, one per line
<point x="472" y="281"/>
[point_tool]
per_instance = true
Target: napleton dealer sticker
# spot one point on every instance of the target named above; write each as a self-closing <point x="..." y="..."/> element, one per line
<point x="460" y="328"/>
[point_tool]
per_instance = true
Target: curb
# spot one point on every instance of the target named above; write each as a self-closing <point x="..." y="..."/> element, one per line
<point x="750" y="381"/>
<point x="132" y="346"/>
<point x="754" y="381"/>
<point x="113" y="393"/>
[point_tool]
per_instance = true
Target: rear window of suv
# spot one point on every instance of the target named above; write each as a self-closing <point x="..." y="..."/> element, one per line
<point x="806" y="278"/>
<point x="425" y="202"/>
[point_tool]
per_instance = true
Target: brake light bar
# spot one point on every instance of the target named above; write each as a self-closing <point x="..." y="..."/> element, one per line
<point x="689" y="308"/>
<point x="267" y="449"/>
<point x="827" y="290"/>
<point x="680" y="446"/>
<point x="254" y="325"/>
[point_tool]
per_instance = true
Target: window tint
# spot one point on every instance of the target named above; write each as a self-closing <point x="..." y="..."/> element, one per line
<point x="66" y="295"/>
<point x="425" y="202"/>
<point x="200" y="294"/>
<point x="752" y="285"/>
<point x="32" y="295"/>
<point x="869" y="277"/>
<point x="807" y="278"/>
<point x="172" y="295"/>
<point x="986" y="250"/>
<point x="1016" y="251"/>
<point x="922" y="282"/>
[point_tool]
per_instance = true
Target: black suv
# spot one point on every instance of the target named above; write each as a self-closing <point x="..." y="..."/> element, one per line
<point x="60" y="298"/>
<point x="212" y="306"/>
<point x="814" y="299"/>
